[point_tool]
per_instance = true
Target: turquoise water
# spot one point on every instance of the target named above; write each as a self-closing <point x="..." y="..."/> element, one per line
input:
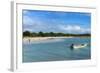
<point x="56" y="50"/>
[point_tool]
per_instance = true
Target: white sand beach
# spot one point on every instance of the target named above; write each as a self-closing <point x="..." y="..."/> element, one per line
<point x="35" y="39"/>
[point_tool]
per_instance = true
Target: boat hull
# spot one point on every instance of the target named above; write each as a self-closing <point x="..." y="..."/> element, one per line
<point x="79" y="46"/>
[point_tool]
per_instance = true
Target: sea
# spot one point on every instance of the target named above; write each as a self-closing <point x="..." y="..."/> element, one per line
<point x="58" y="49"/>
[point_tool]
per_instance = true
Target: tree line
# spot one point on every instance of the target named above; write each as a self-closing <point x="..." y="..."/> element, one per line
<point x="50" y="34"/>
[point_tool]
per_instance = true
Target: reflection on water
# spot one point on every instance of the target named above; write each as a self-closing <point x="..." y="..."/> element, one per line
<point x="56" y="50"/>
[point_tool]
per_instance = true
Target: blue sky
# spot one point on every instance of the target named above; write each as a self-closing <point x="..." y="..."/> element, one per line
<point x="54" y="21"/>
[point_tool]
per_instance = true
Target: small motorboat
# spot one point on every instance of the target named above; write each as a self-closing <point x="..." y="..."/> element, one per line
<point x="78" y="46"/>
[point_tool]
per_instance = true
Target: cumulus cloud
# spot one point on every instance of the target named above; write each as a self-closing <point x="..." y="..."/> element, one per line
<point x="74" y="29"/>
<point x="27" y="21"/>
<point x="36" y="25"/>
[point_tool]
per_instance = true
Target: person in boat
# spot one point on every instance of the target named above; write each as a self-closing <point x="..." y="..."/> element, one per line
<point x="71" y="47"/>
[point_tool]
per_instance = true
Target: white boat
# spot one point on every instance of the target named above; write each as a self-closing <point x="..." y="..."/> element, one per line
<point x="78" y="46"/>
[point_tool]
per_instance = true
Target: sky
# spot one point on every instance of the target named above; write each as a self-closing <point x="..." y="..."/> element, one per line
<point x="56" y="21"/>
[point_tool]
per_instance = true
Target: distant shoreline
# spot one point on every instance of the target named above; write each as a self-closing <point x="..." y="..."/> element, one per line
<point x="34" y="39"/>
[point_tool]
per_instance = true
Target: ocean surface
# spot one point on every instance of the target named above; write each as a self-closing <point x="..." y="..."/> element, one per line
<point x="56" y="50"/>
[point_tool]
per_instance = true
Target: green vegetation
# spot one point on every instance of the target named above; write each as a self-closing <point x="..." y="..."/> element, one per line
<point x="50" y="34"/>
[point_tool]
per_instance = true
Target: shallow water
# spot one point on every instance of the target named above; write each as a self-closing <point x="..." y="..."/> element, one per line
<point x="56" y="50"/>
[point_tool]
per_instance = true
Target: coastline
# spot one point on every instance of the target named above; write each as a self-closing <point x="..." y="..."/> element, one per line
<point x="35" y="39"/>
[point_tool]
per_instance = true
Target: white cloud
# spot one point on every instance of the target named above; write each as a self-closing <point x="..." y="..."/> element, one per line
<point x="74" y="29"/>
<point x="27" y="20"/>
<point x="35" y="24"/>
<point x="31" y="21"/>
<point x="70" y="27"/>
<point x="25" y="12"/>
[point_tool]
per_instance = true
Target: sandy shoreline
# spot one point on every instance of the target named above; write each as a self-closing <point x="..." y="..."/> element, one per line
<point x="33" y="39"/>
<point x="37" y="39"/>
